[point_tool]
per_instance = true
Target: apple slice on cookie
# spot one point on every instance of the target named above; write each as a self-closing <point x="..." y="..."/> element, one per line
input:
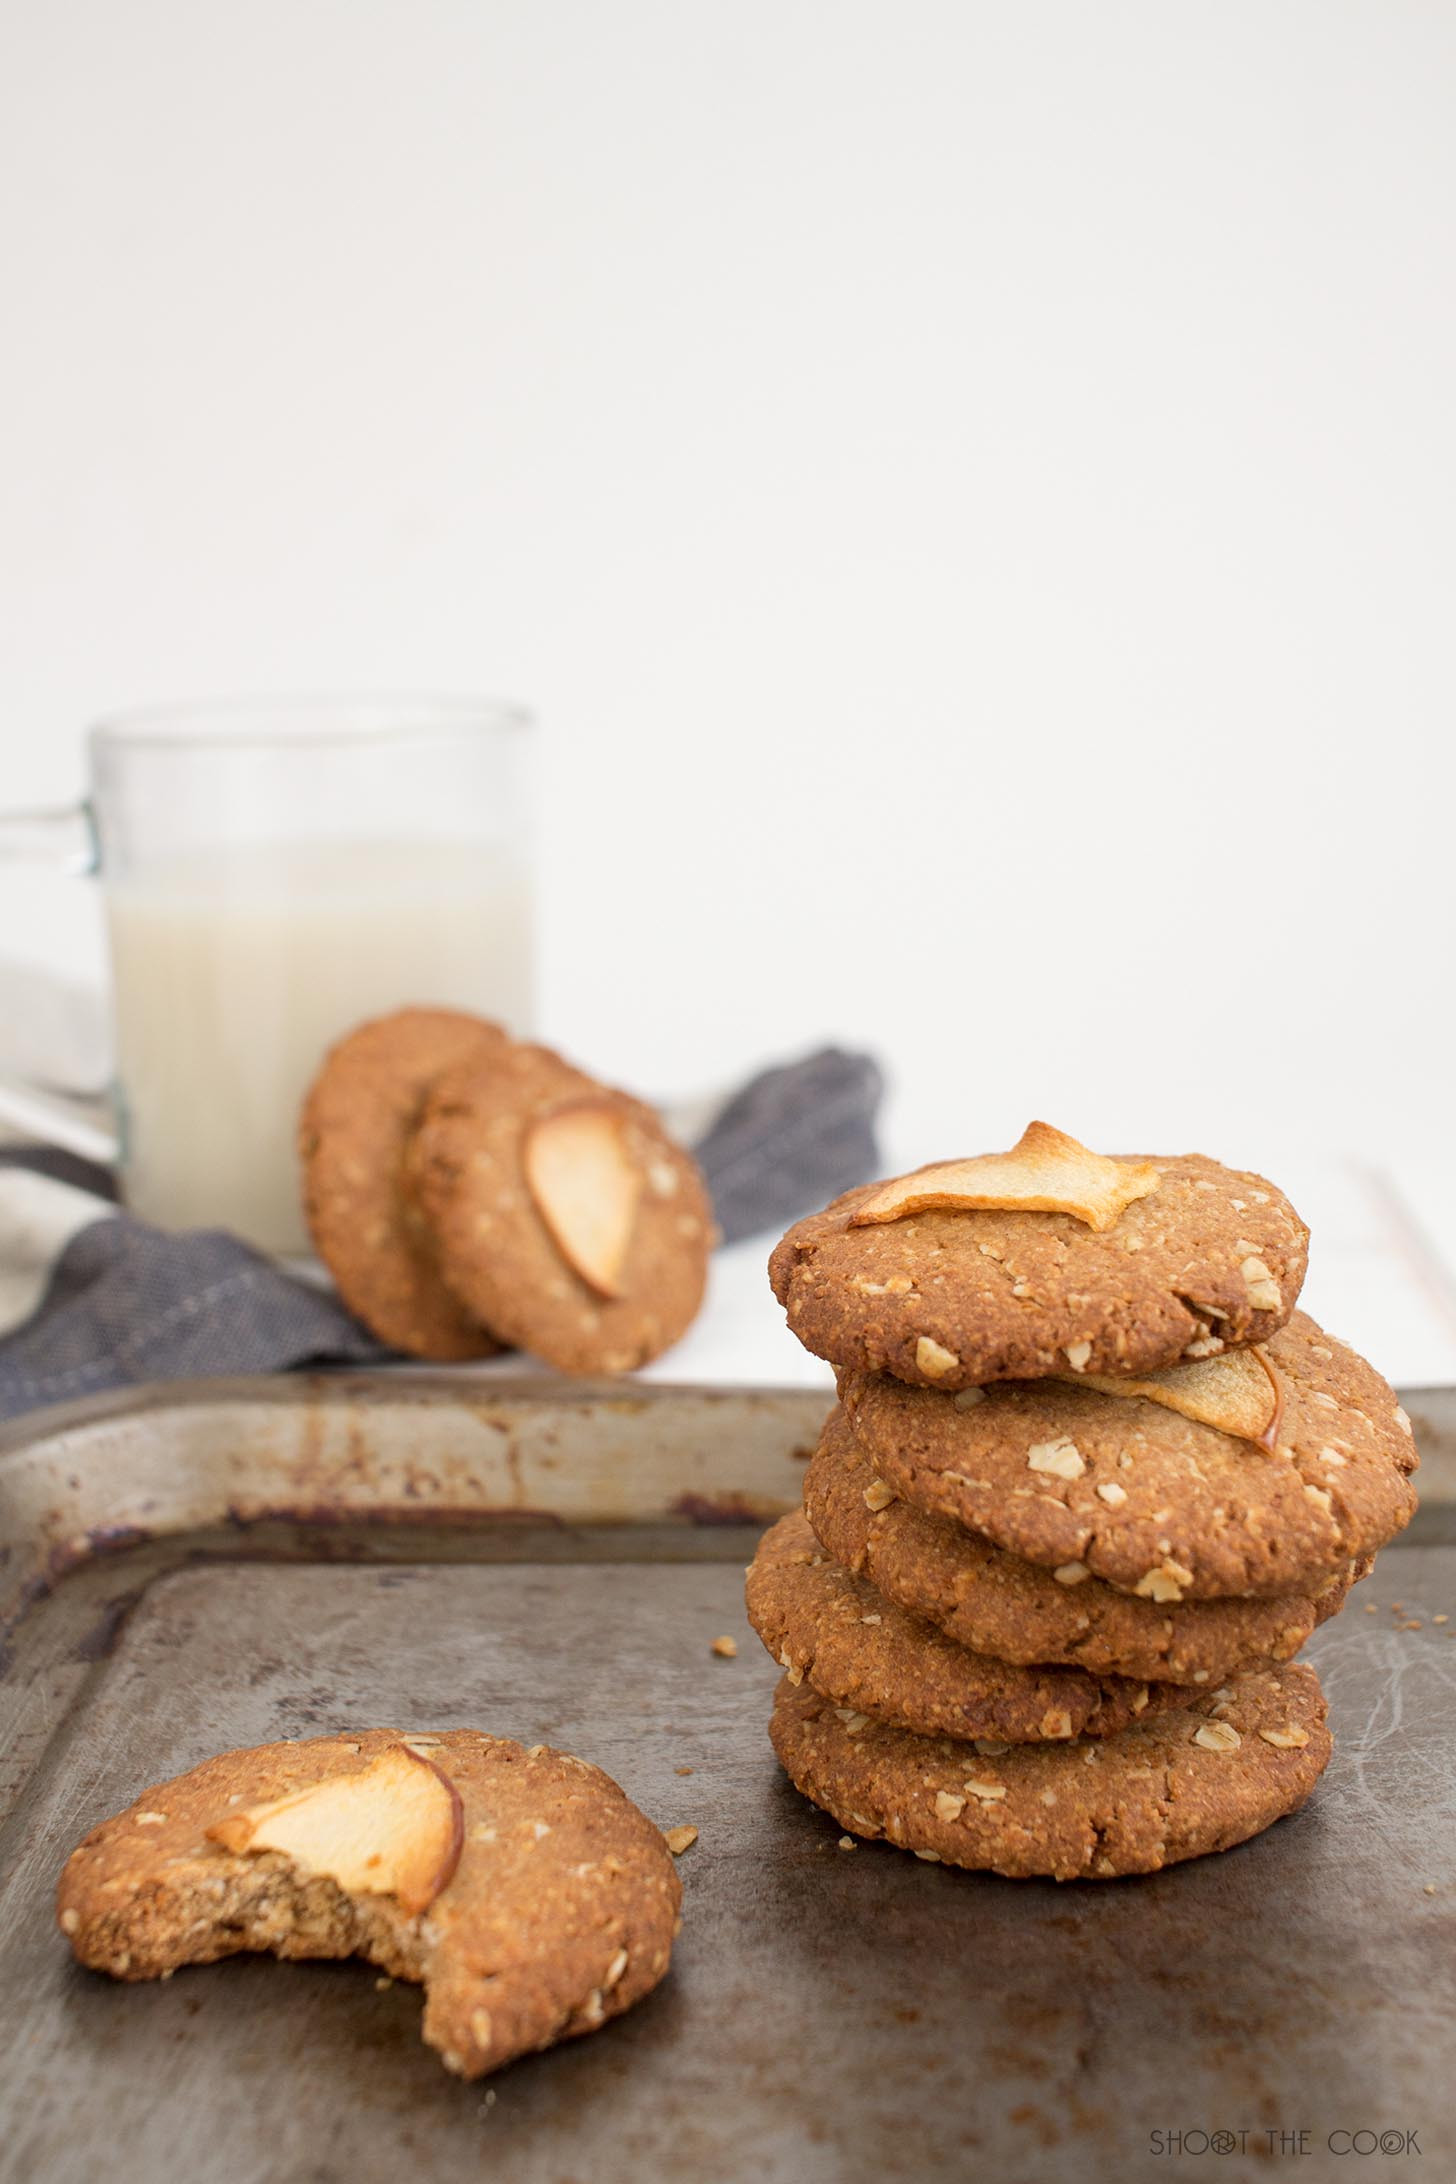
<point x="394" y="1828"/>
<point x="1045" y="1172"/>
<point x="586" y="1186"/>
<point x="1239" y="1393"/>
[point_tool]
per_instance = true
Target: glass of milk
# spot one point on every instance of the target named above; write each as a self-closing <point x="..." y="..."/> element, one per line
<point x="273" y="873"/>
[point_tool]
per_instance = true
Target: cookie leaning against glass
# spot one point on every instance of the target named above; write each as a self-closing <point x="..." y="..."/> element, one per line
<point x="358" y="1117"/>
<point x="468" y="1191"/>
<point x="564" y="1216"/>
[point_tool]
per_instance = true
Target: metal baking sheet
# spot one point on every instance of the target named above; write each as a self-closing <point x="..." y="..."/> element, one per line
<point x="221" y="1566"/>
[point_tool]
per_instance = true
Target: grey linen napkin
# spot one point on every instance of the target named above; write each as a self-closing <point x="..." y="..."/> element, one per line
<point x="91" y="1298"/>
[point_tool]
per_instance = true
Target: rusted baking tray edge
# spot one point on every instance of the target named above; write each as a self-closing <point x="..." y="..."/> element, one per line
<point x="326" y="1450"/>
<point x="80" y="1479"/>
<point x="333" y="1450"/>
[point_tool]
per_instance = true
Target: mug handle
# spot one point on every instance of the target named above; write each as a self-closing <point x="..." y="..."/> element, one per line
<point x="62" y="839"/>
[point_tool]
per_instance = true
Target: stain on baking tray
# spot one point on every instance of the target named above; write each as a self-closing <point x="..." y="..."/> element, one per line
<point x="725" y="1509"/>
<point x="101" y="1539"/>
<point x="95" y="1644"/>
<point x="388" y="1515"/>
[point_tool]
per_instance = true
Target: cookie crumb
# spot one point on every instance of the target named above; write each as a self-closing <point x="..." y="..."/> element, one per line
<point x="726" y="1648"/>
<point x="383" y="1984"/>
<point x="847" y="1842"/>
<point x="680" y="1839"/>
<point x="682" y="1770"/>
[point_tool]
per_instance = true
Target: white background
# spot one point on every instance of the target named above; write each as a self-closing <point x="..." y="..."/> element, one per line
<point x="968" y="488"/>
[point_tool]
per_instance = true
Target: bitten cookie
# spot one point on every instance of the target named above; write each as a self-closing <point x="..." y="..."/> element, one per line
<point x="1193" y="1779"/>
<point x="996" y="1603"/>
<point x="1159" y="1504"/>
<point x="356" y="1122"/>
<point x="958" y="1294"/>
<point x="856" y="1647"/>
<point x="565" y="1217"/>
<point x="523" y="1890"/>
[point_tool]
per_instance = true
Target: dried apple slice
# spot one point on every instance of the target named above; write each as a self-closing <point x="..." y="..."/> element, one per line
<point x="586" y="1186"/>
<point x="1046" y="1172"/>
<point x="1239" y="1393"/>
<point x="394" y="1828"/>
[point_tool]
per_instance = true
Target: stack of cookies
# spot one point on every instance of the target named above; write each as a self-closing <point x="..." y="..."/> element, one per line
<point x="1090" y="1484"/>
<point x="471" y="1193"/>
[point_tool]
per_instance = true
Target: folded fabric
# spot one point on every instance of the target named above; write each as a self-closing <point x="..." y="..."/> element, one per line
<point x="92" y="1298"/>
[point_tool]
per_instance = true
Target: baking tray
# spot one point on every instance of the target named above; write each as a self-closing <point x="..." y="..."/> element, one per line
<point x="221" y="1564"/>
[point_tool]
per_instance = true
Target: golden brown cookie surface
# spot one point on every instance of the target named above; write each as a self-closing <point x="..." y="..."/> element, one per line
<point x="1152" y="1502"/>
<point x="565" y="1217"/>
<point x="357" y="1119"/>
<point x="530" y="1897"/>
<point x="1190" y="1780"/>
<point x="995" y="1602"/>
<point x="1211" y="1259"/>
<point x="857" y="1648"/>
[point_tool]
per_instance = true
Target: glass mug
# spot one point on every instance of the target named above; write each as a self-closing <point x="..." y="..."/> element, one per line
<point x="273" y="873"/>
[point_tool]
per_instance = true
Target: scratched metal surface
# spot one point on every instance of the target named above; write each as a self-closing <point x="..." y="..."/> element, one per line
<point x="829" y="2015"/>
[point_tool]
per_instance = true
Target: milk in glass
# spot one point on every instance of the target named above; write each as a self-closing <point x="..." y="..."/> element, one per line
<point x="236" y="968"/>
